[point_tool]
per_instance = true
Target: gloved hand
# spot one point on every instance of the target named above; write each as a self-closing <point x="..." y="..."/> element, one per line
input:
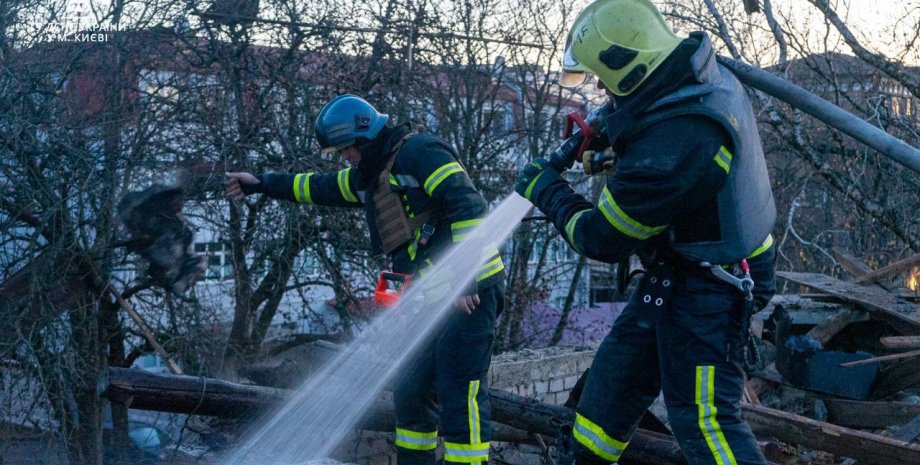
<point x="534" y="178"/>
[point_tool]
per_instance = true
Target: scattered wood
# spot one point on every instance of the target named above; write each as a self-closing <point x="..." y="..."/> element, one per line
<point x="868" y="448"/>
<point x="825" y="331"/>
<point x="854" y="266"/>
<point x="883" y="358"/>
<point x="901" y="342"/>
<point x="902" y="316"/>
<point x="907" y="433"/>
<point x="858" y="414"/>
<point x="205" y="396"/>
<point x="897" y="378"/>
<point x="890" y="270"/>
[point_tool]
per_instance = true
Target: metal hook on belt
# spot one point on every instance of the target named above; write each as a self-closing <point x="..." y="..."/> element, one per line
<point x="745" y="283"/>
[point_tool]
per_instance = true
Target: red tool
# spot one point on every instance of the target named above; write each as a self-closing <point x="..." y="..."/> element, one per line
<point x="390" y="287"/>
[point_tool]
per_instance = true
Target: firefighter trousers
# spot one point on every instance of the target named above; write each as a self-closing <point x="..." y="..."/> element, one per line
<point x="690" y="350"/>
<point x="444" y="392"/>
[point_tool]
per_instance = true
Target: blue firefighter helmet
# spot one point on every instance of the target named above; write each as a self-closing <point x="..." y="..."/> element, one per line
<point x="346" y="120"/>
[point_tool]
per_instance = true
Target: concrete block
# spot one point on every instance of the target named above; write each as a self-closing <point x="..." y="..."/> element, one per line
<point x="570" y="381"/>
<point x="542" y="387"/>
<point x="557" y="385"/>
<point x="527" y="390"/>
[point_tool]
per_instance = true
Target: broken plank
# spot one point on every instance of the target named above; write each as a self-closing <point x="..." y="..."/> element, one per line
<point x="883" y="358"/>
<point x="908" y="433"/>
<point x="890" y="270"/>
<point x="868" y="448"/>
<point x="205" y="396"/>
<point x="901" y="342"/>
<point x="902" y="316"/>
<point x="897" y="378"/>
<point x="853" y="265"/>
<point x="850" y="263"/>
<point x="826" y="330"/>
<point x="858" y="414"/>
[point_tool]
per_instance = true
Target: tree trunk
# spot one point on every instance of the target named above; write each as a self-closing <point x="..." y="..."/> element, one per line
<point x="204" y="396"/>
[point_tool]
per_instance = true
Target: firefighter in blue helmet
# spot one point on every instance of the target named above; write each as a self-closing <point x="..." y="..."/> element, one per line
<point x="690" y="194"/>
<point x="418" y="200"/>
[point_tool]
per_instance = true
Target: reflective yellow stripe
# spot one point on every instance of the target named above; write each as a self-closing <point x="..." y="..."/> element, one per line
<point x="490" y="268"/>
<point x="472" y="406"/>
<point x="570" y="229"/>
<point x="393" y="181"/>
<point x="622" y="222"/>
<point x="529" y="189"/>
<point x="460" y="229"/>
<point x="767" y="243"/>
<point x="596" y="440"/>
<point x="302" y="188"/>
<point x="412" y="245"/>
<point x="416" y="440"/>
<point x="723" y="158"/>
<point x="466" y="453"/>
<point x="709" y="425"/>
<point x="440" y="175"/>
<point x="345" y="187"/>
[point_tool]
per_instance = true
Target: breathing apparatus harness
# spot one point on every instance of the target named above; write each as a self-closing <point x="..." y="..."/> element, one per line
<point x="655" y="288"/>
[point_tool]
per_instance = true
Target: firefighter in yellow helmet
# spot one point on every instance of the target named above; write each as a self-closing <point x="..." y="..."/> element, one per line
<point x="691" y="196"/>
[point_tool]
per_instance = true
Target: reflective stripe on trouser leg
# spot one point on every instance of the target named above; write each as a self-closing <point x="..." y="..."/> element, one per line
<point x="475" y="451"/>
<point x="416" y="412"/>
<point x="702" y="379"/>
<point x="416" y="440"/>
<point x="709" y="424"/>
<point x="622" y="382"/>
<point x="595" y="439"/>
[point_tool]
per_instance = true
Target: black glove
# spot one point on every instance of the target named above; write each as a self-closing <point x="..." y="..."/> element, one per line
<point x="534" y="178"/>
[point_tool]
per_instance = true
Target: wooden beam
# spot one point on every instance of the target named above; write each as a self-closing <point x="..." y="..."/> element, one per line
<point x="868" y="448"/>
<point x="894" y="379"/>
<point x="825" y="331"/>
<point x="858" y="414"/>
<point x="883" y="358"/>
<point x="907" y="433"/>
<point x="854" y="266"/>
<point x="204" y="396"/>
<point x="850" y="263"/>
<point x="199" y="395"/>
<point x="903" y="316"/>
<point x="901" y="342"/>
<point x="890" y="270"/>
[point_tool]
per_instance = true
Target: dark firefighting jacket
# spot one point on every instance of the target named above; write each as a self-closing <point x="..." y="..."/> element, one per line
<point x="428" y="178"/>
<point x="690" y="176"/>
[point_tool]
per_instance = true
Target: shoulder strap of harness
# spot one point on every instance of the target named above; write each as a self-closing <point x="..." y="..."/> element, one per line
<point x="393" y="224"/>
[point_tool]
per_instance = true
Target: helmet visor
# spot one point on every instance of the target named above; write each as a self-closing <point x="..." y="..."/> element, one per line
<point x="572" y="78"/>
<point x="571" y="74"/>
<point x="339" y="147"/>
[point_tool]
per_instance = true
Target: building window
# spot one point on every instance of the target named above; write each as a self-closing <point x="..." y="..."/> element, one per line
<point x="603" y="283"/>
<point x="219" y="264"/>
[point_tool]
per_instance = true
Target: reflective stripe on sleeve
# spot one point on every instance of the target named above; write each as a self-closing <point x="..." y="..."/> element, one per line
<point x="570" y="229"/>
<point x="460" y="229"/>
<point x="723" y="158"/>
<point x="439" y="175"/>
<point x="623" y="222"/>
<point x="491" y="267"/>
<point x="302" y="188"/>
<point x="345" y="187"/>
